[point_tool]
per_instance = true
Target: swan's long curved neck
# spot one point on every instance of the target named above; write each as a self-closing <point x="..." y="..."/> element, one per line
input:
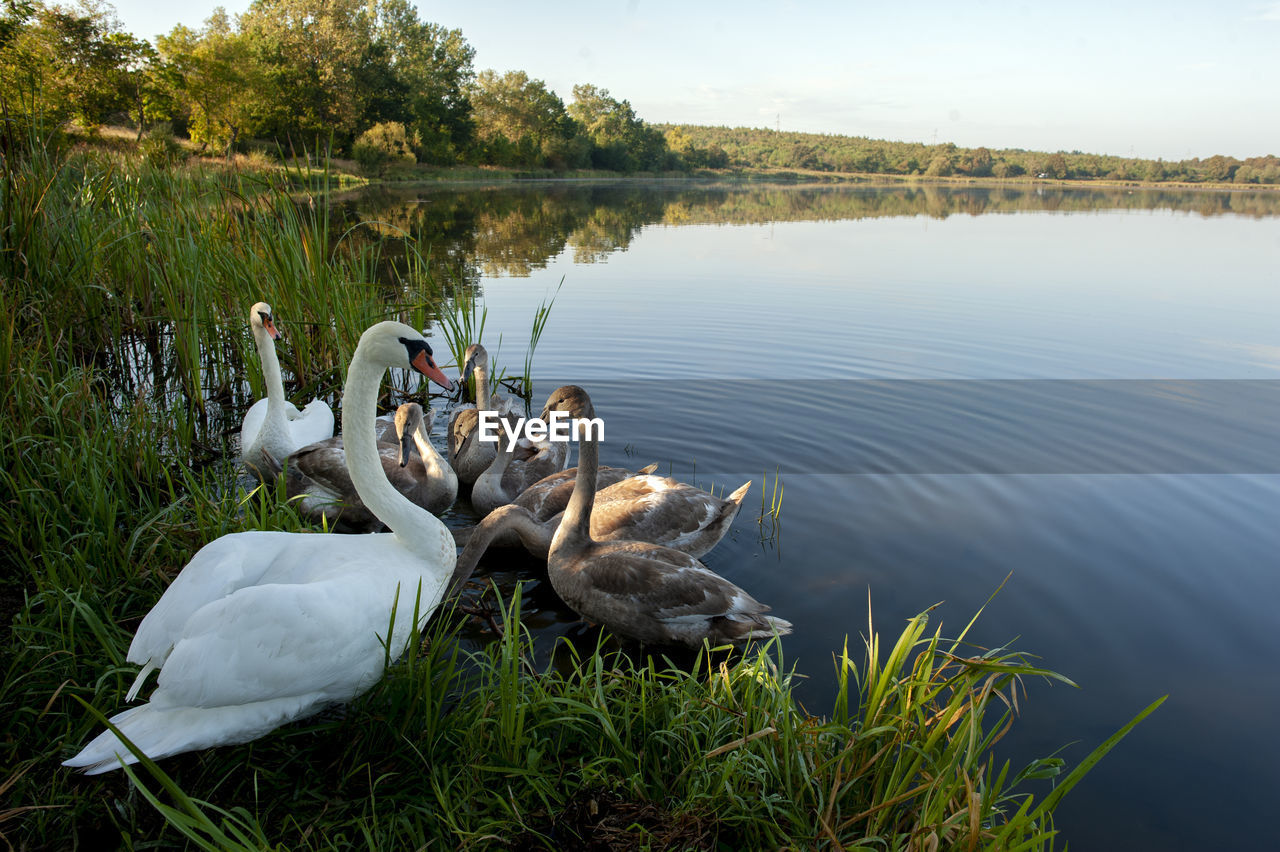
<point x="271" y="374"/>
<point x="575" y="526"/>
<point x="481" y="372"/>
<point x="431" y="459"/>
<point x="417" y="528"/>
<point x="534" y="535"/>
<point x="506" y="451"/>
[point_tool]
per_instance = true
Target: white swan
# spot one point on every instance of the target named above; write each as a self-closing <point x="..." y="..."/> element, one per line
<point x="262" y="628"/>
<point x="639" y="590"/>
<point x="319" y="485"/>
<point x="273" y="428"/>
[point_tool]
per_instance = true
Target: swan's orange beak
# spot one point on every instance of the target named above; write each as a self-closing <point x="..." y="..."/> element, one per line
<point x="423" y="363"/>
<point x="270" y="325"/>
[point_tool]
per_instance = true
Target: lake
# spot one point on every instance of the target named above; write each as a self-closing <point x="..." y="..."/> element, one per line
<point x="1068" y="395"/>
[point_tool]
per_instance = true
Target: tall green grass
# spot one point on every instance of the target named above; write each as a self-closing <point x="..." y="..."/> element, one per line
<point x="125" y="365"/>
<point x="460" y="749"/>
<point x="133" y="265"/>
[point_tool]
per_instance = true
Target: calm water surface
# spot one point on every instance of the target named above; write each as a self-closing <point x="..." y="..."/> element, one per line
<point x="1074" y="390"/>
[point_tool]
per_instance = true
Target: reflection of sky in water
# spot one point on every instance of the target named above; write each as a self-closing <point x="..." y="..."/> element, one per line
<point x="1116" y="295"/>
<point x="1133" y="568"/>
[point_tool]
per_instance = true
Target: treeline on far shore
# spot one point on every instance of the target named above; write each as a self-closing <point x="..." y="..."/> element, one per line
<point x="740" y="147"/>
<point x="369" y="80"/>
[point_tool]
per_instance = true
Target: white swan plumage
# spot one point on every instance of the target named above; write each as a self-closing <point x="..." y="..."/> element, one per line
<point x="273" y="427"/>
<point x="261" y="628"/>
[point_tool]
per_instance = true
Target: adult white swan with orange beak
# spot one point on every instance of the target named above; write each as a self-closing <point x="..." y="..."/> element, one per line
<point x="274" y="427"/>
<point x="261" y="628"/>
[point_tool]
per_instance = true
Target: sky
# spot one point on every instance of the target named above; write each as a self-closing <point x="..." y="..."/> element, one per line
<point x="1171" y="80"/>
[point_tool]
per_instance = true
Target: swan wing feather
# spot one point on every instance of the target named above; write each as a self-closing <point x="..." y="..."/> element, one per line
<point x="319" y="470"/>
<point x="313" y="423"/>
<point x="550" y="495"/>
<point x="271" y="641"/>
<point x="219" y="568"/>
<point x="461" y="425"/>
<point x="665" y="583"/>
<point x="252" y="424"/>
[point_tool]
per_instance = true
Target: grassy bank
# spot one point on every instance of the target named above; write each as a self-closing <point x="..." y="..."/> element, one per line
<point x="126" y="362"/>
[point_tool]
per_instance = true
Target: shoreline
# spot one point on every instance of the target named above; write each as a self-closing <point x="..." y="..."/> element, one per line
<point x="348" y="175"/>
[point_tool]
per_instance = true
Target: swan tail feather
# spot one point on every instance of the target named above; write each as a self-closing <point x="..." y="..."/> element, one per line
<point x="138" y="682"/>
<point x="774" y="627"/>
<point x="262" y="465"/>
<point x="165" y="731"/>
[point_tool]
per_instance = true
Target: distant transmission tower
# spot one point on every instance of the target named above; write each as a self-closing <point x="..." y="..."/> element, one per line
<point x="778" y="127"/>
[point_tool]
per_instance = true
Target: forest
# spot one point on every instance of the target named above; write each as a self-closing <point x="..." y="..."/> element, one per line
<point x="369" y="80"/>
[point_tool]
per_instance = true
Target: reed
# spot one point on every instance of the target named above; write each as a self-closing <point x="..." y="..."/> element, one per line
<point x="770" y="518"/>
<point x="771" y="501"/>
<point x="126" y="366"/>
<point x="465" y="325"/>
<point x="535" y="334"/>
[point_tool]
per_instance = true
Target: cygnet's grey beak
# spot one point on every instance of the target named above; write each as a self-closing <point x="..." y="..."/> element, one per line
<point x="406" y="442"/>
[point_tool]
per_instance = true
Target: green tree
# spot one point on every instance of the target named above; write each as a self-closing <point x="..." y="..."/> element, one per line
<point x="622" y="141"/>
<point x="418" y="73"/>
<point x="145" y="83"/>
<point x="1054" y="166"/>
<point x="383" y="144"/>
<point x="1006" y="169"/>
<point x="1219" y="168"/>
<point x="940" y="166"/>
<point x="308" y="53"/>
<point x="14" y="15"/>
<point x="214" y="72"/>
<point x="691" y="155"/>
<point x="74" y="61"/>
<point x="978" y="162"/>
<point x="520" y="121"/>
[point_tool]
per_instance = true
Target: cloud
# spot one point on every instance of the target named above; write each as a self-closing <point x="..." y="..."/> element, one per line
<point x="1270" y="12"/>
<point x="1259" y="354"/>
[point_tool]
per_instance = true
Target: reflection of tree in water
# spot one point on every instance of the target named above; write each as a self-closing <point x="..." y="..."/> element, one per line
<point x="521" y="231"/>
<point x="439" y="230"/>
<point x="513" y="230"/>
<point x="518" y="234"/>
<point x="611" y="227"/>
